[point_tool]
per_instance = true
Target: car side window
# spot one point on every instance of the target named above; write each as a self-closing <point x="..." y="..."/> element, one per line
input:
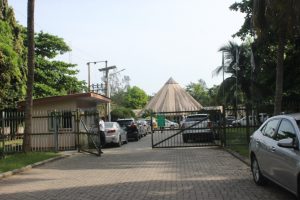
<point x="269" y="129"/>
<point x="286" y="130"/>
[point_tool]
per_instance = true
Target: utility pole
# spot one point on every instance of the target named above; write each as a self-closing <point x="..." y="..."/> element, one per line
<point x="224" y="99"/>
<point x="107" y="90"/>
<point x="89" y="71"/>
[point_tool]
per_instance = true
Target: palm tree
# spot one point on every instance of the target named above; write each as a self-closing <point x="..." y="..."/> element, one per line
<point x="238" y="65"/>
<point x="278" y="18"/>
<point x="30" y="76"/>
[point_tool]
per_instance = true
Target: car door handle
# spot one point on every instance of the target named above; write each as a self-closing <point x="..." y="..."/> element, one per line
<point x="273" y="149"/>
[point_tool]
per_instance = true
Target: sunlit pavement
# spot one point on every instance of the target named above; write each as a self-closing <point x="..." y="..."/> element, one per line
<point x="135" y="171"/>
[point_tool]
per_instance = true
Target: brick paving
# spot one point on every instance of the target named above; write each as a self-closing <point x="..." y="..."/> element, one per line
<point x="136" y="172"/>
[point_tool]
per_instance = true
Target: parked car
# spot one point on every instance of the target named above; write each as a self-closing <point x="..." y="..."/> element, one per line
<point x="229" y="119"/>
<point x="197" y="127"/>
<point x="130" y="126"/>
<point x="275" y="153"/>
<point x="243" y="121"/>
<point x="115" y="134"/>
<point x="170" y="124"/>
<point x="252" y="120"/>
<point x="144" y="127"/>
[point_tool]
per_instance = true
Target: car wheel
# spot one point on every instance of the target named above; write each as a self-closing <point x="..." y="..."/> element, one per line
<point x="258" y="178"/>
<point x="172" y="127"/>
<point x="126" y="141"/>
<point x="120" y="142"/>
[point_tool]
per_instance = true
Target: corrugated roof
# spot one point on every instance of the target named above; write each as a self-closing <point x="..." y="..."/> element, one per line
<point x="171" y="98"/>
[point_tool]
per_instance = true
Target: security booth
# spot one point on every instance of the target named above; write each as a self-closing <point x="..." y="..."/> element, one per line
<point x="64" y="122"/>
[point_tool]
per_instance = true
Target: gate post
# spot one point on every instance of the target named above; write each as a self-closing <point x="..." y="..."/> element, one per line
<point x="151" y="129"/>
<point x="77" y="132"/>
<point x="223" y="138"/>
<point x="248" y="124"/>
<point x="96" y="114"/>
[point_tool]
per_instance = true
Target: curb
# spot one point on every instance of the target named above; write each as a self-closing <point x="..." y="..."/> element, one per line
<point x="28" y="167"/>
<point x="238" y="156"/>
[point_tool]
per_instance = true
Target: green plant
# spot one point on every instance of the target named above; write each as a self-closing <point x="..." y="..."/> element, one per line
<point x="19" y="160"/>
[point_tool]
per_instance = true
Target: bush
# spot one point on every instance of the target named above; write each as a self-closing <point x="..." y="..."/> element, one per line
<point x="121" y="112"/>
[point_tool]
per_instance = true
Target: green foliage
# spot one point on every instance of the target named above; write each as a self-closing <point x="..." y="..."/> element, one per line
<point x="276" y="26"/>
<point x="49" y="46"/>
<point x="20" y="160"/>
<point x="53" y="77"/>
<point x="216" y="98"/>
<point x="245" y="6"/>
<point x="12" y="60"/>
<point x="121" y="112"/>
<point x="118" y="98"/>
<point x="135" y="98"/>
<point x="199" y="92"/>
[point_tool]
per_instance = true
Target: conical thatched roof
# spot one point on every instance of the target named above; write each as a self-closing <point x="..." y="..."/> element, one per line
<point x="171" y="97"/>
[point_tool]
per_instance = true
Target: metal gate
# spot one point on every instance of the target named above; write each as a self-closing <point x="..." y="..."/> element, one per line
<point x="186" y="129"/>
<point x="88" y="136"/>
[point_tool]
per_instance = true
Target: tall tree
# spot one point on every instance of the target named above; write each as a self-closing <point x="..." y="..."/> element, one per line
<point x="237" y="64"/>
<point x="199" y="91"/>
<point x="30" y="76"/>
<point x="278" y="19"/>
<point x="135" y="98"/>
<point x="12" y="58"/>
<point x="53" y="77"/>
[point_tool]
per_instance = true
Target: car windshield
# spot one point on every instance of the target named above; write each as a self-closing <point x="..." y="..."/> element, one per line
<point x="108" y="124"/>
<point x="125" y="122"/>
<point x="196" y="118"/>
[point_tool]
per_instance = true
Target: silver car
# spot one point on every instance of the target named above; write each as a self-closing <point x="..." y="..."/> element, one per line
<point x="115" y="134"/>
<point x="274" y="152"/>
<point x="197" y="127"/>
<point x="170" y="124"/>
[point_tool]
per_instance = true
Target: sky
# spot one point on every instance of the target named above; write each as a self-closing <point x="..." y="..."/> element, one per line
<point x="152" y="40"/>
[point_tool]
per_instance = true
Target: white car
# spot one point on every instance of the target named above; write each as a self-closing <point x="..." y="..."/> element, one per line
<point x="170" y="124"/>
<point x="243" y="121"/>
<point x="115" y="134"/>
<point x="197" y="127"/>
<point x="252" y="120"/>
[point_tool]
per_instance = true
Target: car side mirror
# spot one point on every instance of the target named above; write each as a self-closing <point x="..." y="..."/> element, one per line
<point x="288" y="143"/>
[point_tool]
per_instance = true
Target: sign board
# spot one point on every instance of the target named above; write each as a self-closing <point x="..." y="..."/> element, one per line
<point x="161" y="120"/>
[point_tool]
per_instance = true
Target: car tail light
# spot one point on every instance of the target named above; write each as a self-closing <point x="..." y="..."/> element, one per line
<point x="111" y="131"/>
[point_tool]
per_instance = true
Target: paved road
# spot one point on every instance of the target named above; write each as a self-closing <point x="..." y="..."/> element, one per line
<point x="136" y="172"/>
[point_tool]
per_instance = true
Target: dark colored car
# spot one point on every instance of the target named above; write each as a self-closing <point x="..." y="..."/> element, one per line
<point x="130" y="126"/>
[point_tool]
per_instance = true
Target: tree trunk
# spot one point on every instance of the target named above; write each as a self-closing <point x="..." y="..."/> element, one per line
<point x="30" y="76"/>
<point x="279" y="75"/>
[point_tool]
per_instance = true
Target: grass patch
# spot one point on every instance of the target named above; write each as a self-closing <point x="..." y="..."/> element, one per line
<point x="243" y="150"/>
<point x="237" y="139"/>
<point x="19" y="160"/>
